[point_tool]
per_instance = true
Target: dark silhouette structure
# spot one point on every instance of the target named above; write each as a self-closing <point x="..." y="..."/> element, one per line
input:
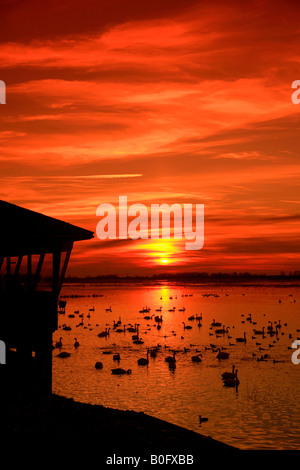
<point x="34" y="255"/>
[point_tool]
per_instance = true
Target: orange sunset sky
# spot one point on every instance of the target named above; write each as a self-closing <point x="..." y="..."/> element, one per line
<point x="162" y="101"/>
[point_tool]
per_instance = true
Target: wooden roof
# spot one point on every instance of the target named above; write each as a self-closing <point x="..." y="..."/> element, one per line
<point x="23" y="231"/>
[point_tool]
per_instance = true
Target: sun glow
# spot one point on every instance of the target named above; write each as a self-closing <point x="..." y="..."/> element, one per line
<point x="164" y="261"/>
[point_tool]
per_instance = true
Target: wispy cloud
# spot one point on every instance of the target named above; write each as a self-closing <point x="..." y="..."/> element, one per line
<point x="180" y="102"/>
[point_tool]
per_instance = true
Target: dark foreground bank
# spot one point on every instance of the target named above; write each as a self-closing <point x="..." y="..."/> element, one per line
<point x="56" y="423"/>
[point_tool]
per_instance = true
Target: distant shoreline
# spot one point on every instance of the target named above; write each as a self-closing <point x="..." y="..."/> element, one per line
<point x="192" y="278"/>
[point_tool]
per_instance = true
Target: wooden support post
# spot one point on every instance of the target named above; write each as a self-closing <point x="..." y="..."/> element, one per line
<point x="55" y="276"/>
<point x="44" y="363"/>
<point x="64" y="268"/>
<point x="29" y="272"/>
<point x="8" y="272"/>
<point x="17" y="268"/>
<point x="38" y="271"/>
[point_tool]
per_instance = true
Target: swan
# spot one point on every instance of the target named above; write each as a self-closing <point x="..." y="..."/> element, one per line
<point x="143" y="361"/>
<point x="259" y="332"/>
<point x="215" y="323"/>
<point x="222" y="355"/>
<point x="63" y="354"/>
<point x="148" y="317"/>
<point x="76" y="344"/>
<point x="241" y="340"/>
<point x="171" y="358"/>
<point x="188" y="327"/>
<point x="222" y="330"/>
<point x="232" y="382"/>
<point x="120" y="371"/>
<point x="116" y="357"/>
<point x="138" y="341"/>
<point x="229" y="375"/>
<point x="202" y="420"/>
<point x="120" y="330"/>
<point x="153" y="352"/>
<point x="59" y="343"/>
<point x="104" y="333"/>
<point x="132" y="329"/>
<point x="197" y="358"/>
<point x="134" y="337"/>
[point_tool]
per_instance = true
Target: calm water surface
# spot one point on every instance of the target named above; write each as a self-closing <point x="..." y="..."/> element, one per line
<point x="262" y="413"/>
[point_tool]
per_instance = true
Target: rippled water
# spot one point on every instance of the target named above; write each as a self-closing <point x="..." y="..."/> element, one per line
<point x="262" y="413"/>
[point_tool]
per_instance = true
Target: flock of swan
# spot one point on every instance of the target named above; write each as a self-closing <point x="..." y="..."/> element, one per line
<point x="217" y="329"/>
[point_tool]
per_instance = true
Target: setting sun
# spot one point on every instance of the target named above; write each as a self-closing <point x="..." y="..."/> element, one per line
<point x="164" y="261"/>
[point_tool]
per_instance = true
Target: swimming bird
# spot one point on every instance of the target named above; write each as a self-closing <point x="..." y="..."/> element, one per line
<point x="138" y="341"/>
<point x="63" y="354"/>
<point x="229" y="375"/>
<point x="120" y="371"/>
<point x="144" y="361"/>
<point x="214" y="323"/>
<point x="116" y="357"/>
<point x="171" y="358"/>
<point x="222" y="330"/>
<point x="197" y="358"/>
<point x="202" y="420"/>
<point x="104" y="333"/>
<point x="99" y="365"/>
<point x="188" y="327"/>
<point x="59" y="343"/>
<point x="132" y="329"/>
<point x="76" y="343"/>
<point x="241" y="340"/>
<point x="232" y="382"/>
<point x="222" y="355"/>
<point x="153" y="352"/>
<point x="259" y="332"/>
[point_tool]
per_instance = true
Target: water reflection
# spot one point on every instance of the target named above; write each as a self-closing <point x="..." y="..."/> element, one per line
<point x="262" y="412"/>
